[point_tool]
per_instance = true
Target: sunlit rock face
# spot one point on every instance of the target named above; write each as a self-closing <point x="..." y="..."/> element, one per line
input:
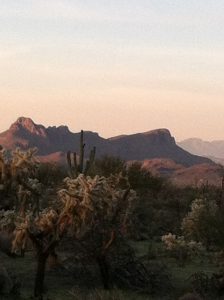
<point x="28" y="125"/>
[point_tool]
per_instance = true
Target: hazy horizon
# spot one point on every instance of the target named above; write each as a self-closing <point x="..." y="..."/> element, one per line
<point x="115" y="67"/>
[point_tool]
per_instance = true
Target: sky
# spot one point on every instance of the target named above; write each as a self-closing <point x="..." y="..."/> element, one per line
<point x="114" y="66"/>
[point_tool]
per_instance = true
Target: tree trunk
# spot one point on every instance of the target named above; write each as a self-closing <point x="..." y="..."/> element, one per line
<point x="39" y="280"/>
<point x="104" y="271"/>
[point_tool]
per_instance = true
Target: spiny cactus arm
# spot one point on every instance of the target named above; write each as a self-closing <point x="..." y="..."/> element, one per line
<point x="75" y="166"/>
<point x="20" y="235"/>
<point x="23" y="197"/>
<point x="31" y="153"/>
<point x="22" y="159"/>
<point x="87" y="167"/>
<point x="81" y="179"/>
<point x="20" y="192"/>
<point x="81" y="153"/>
<point x="69" y="161"/>
<point x="27" y="186"/>
<point x="92" y="155"/>
<point x="90" y="161"/>
<point x="122" y="205"/>
<point x="72" y="164"/>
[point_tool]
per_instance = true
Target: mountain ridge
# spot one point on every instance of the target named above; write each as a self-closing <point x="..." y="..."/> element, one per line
<point x="212" y="149"/>
<point x="157" y="143"/>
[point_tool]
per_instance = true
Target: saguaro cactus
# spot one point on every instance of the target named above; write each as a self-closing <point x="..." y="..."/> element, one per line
<point x="76" y="166"/>
<point x="3" y="165"/>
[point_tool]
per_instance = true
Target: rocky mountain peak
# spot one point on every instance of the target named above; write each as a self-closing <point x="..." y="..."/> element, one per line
<point x="161" y="135"/>
<point x="27" y="124"/>
<point x="164" y="131"/>
<point x="63" y="129"/>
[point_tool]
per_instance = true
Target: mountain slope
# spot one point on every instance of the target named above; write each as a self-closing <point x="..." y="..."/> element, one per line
<point x="24" y="133"/>
<point x="199" y="147"/>
<point x="154" y="144"/>
<point x="196" y="175"/>
<point x="158" y="143"/>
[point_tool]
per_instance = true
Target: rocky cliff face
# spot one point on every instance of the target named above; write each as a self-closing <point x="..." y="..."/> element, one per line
<point x="27" y="125"/>
<point x="158" y="143"/>
<point x="24" y="133"/>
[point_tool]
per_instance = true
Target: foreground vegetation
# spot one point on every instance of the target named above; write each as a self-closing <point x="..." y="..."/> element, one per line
<point x="62" y="284"/>
<point x="104" y="230"/>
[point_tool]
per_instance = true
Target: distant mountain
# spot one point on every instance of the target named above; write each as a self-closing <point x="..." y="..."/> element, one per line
<point x="24" y="133"/>
<point x="198" y="175"/>
<point x="195" y="175"/>
<point x="161" y="166"/>
<point x="213" y="150"/>
<point x="153" y="144"/>
<point x="217" y="160"/>
<point x="52" y="142"/>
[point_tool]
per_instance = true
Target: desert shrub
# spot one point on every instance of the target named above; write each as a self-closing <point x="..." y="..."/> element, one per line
<point x="201" y="283"/>
<point x="9" y="284"/>
<point x="160" y="278"/>
<point x="50" y="174"/>
<point x="205" y="223"/>
<point x="151" y="278"/>
<point x="159" y="211"/>
<point x="191" y="296"/>
<point x="108" y="165"/>
<point x="132" y="273"/>
<point x="181" y="249"/>
<point x="141" y="179"/>
<point x="209" y="287"/>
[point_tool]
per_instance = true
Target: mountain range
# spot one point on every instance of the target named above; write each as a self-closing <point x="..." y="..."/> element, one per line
<point x="53" y="142"/>
<point x="214" y="149"/>
<point x="157" y="150"/>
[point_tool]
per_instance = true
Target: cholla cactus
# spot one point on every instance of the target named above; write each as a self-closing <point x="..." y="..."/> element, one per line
<point x="83" y="202"/>
<point x="23" y="160"/>
<point x="100" y="211"/>
<point x="35" y="184"/>
<point x="169" y="240"/>
<point x="14" y="163"/>
<point x="90" y="200"/>
<point x="199" y="223"/>
<point x="7" y="220"/>
<point x="98" y="205"/>
<point x="172" y="241"/>
<point x="20" y="234"/>
<point x="181" y="248"/>
<point x="16" y="168"/>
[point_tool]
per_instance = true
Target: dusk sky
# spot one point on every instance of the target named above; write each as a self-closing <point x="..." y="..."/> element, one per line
<point x="114" y="66"/>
